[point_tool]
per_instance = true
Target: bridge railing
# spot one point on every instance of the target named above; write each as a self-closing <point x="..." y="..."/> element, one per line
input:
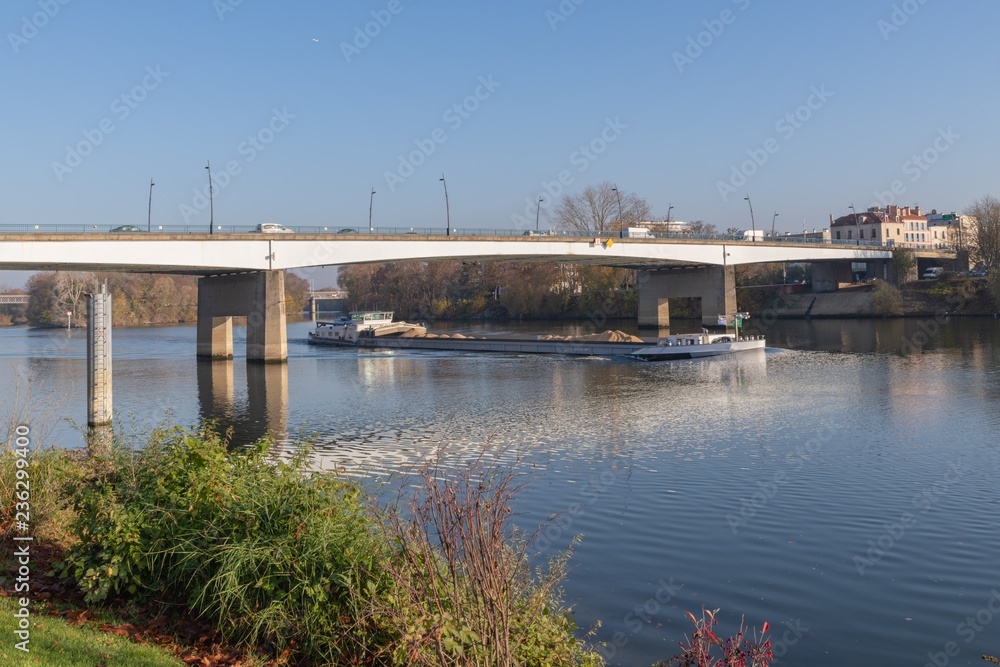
<point x="336" y="230"/>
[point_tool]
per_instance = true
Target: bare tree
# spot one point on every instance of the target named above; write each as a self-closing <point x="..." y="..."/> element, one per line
<point x="985" y="246"/>
<point x="70" y="288"/>
<point x="595" y="210"/>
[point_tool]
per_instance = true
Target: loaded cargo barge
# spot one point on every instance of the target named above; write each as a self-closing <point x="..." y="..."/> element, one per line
<point x="674" y="348"/>
<point x="378" y="331"/>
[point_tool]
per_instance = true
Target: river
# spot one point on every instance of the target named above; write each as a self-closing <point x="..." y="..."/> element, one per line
<point x="842" y="486"/>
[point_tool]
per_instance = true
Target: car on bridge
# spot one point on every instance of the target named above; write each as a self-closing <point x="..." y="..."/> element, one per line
<point x="127" y="229"/>
<point x="272" y="228"/>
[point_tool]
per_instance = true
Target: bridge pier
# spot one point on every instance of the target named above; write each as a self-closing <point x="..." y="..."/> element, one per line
<point x="260" y="297"/>
<point x="714" y="285"/>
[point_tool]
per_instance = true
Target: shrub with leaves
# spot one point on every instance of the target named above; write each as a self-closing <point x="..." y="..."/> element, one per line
<point x="272" y="555"/>
<point x="464" y="589"/>
<point x="704" y="648"/>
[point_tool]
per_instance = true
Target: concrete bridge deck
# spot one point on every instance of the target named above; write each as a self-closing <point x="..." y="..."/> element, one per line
<point x="205" y="254"/>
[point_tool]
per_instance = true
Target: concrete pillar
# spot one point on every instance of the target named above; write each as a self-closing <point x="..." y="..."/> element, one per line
<point x="267" y="336"/>
<point x="714" y="285"/>
<point x="260" y="297"/>
<point x="99" y="358"/>
<point x="312" y="309"/>
<point x="828" y="276"/>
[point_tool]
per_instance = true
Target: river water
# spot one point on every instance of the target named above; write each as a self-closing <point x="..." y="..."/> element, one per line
<point x="842" y="486"/>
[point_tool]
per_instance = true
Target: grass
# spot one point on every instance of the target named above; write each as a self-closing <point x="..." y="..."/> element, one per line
<point x="55" y="643"/>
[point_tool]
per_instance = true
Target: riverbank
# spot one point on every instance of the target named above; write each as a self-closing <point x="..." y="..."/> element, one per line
<point x="955" y="296"/>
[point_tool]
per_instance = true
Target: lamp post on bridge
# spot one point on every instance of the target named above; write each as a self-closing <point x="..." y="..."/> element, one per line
<point x="538" y="209"/>
<point x="447" y="207"/>
<point x="669" y="209"/>
<point x="621" y="223"/>
<point x="753" y="225"/>
<point x="371" y="202"/>
<point x="772" y="222"/>
<point x="857" y="221"/>
<point x="211" y="203"/>
<point x="149" y="215"/>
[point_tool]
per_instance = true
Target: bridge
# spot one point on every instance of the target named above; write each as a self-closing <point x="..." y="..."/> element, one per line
<point x="13" y="299"/>
<point x="243" y="273"/>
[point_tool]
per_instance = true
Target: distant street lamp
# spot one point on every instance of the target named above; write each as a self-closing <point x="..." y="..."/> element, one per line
<point x="538" y="208"/>
<point x="857" y="222"/>
<point x="753" y="225"/>
<point x="621" y="223"/>
<point x="772" y="222"/>
<point x="447" y="207"/>
<point x="669" y="209"/>
<point x="371" y="202"/>
<point x="211" y="203"/>
<point x="149" y="216"/>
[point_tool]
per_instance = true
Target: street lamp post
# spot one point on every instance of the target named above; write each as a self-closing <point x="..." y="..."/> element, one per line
<point x="857" y="222"/>
<point x="149" y="215"/>
<point x="621" y="223"/>
<point x="753" y="224"/>
<point x="211" y="203"/>
<point x="538" y="208"/>
<point x="772" y="222"/>
<point x="371" y="202"/>
<point x="669" y="209"/>
<point x="447" y="207"/>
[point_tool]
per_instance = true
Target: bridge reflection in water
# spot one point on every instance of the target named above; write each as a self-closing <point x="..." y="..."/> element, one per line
<point x="264" y="412"/>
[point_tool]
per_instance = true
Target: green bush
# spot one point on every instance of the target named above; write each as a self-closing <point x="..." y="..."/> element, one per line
<point x="271" y="555"/>
<point x="887" y="299"/>
<point x="50" y="473"/>
<point x="284" y="559"/>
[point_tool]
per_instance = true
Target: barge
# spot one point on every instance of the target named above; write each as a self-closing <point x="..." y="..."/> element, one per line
<point x="377" y="330"/>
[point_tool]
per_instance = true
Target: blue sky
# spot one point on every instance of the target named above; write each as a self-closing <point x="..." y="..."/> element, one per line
<point x="873" y="83"/>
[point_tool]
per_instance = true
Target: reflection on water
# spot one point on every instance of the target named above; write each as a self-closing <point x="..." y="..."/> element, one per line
<point x="669" y="468"/>
<point x="265" y="408"/>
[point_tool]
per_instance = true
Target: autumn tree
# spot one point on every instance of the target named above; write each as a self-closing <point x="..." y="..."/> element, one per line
<point x="296" y="288"/>
<point x="595" y="210"/>
<point x="985" y="247"/>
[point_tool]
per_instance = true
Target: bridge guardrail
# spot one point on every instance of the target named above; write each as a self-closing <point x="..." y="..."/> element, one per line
<point x="336" y="230"/>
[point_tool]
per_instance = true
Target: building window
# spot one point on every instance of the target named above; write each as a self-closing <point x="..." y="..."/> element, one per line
<point x="849" y="232"/>
<point x="838" y="235"/>
<point x="897" y="231"/>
